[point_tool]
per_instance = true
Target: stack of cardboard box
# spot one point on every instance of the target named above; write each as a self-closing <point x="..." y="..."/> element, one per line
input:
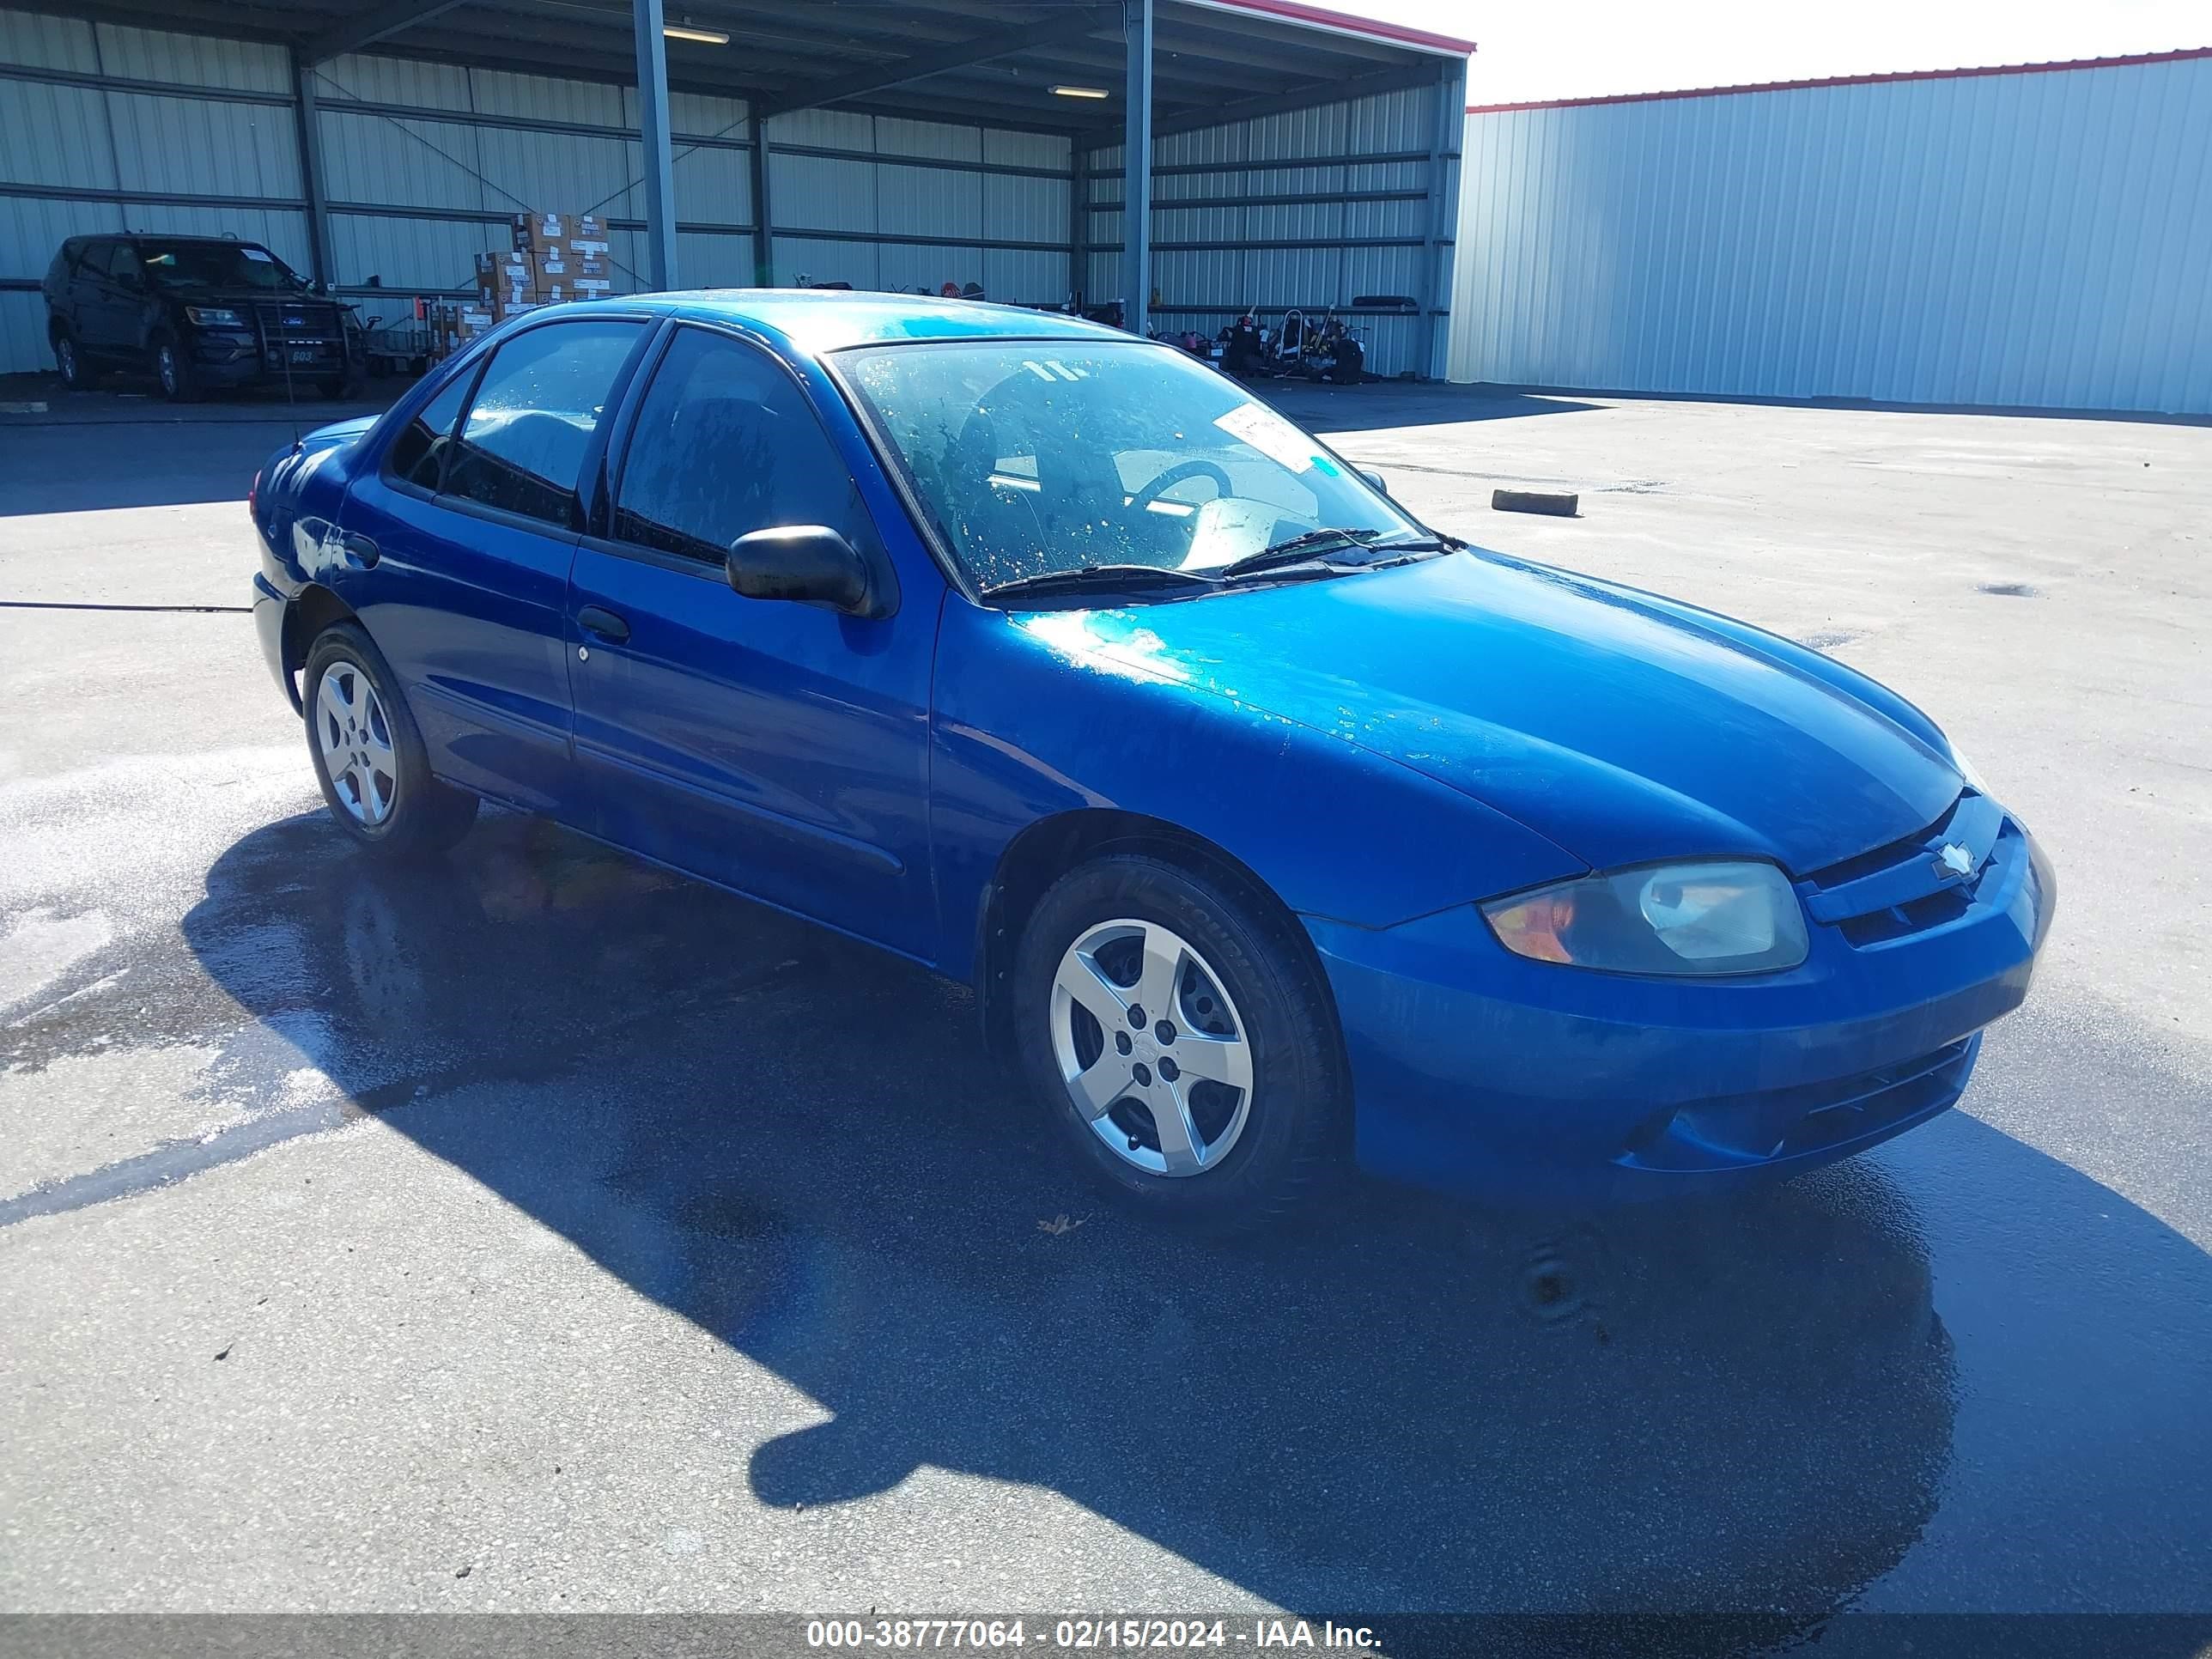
<point x="554" y="257"/>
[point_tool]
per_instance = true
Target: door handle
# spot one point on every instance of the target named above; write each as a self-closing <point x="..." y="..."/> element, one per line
<point x="604" y="623"/>
<point x="359" y="549"/>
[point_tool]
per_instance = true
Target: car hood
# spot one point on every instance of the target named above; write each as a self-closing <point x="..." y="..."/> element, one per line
<point x="241" y="296"/>
<point x="1594" y="716"/>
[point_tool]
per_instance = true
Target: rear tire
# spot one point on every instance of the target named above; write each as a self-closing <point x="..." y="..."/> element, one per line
<point x="368" y="753"/>
<point x="68" y="363"/>
<point x="1144" y="994"/>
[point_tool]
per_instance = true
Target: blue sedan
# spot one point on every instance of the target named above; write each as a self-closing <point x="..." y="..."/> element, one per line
<point x="1268" y="823"/>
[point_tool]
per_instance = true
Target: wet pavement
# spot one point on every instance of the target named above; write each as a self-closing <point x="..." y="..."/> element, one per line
<point x="543" y="1215"/>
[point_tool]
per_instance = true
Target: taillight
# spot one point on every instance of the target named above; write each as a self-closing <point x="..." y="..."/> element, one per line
<point x="253" y="492"/>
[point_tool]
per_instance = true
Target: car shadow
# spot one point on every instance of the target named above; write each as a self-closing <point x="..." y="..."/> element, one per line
<point x="1487" y="390"/>
<point x="94" y="451"/>
<point x="1392" y="403"/>
<point x="1403" y="1404"/>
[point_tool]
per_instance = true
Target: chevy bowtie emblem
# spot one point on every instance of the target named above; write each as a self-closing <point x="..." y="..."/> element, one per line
<point x="1955" y="860"/>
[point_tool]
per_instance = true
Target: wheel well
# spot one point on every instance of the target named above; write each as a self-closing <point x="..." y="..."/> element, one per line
<point x="313" y="608"/>
<point x="1047" y="850"/>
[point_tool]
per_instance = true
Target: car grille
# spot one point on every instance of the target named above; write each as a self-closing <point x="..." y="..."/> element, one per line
<point x="1906" y="888"/>
<point x="284" y="322"/>
<point x="1788" y="1122"/>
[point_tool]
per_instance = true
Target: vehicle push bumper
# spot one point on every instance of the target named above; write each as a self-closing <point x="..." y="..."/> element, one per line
<point x="274" y="343"/>
<point x="227" y="361"/>
<point x="1482" y="1072"/>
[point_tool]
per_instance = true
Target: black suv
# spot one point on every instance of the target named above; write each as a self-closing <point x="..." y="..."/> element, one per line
<point x="195" y="312"/>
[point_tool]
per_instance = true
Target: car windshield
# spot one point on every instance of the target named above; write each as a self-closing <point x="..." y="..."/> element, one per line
<point x="1038" y="457"/>
<point x="216" y="264"/>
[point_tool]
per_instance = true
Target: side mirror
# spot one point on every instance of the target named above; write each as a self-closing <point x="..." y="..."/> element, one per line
<point x="809" y="564"/>
<point x="1374" y="480"/>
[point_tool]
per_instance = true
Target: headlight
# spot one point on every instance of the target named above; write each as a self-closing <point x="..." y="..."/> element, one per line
<point x="214" y="316"/>
<point x="1703" y="918"/>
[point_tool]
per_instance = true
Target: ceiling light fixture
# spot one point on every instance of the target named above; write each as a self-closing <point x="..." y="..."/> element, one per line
<point x="1081" y="92"/>
<point x="704" y="36"/>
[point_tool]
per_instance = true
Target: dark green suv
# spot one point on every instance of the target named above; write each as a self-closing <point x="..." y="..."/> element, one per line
<point x="195" y="313"/>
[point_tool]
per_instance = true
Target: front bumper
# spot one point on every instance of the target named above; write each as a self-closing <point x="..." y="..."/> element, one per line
<point x="231" y="358"/>
<point x="1481" y="1072"/>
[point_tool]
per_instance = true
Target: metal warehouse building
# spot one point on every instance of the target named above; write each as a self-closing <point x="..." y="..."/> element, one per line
<point x="2038" y="236"/>
<point x="1297" y="157"/>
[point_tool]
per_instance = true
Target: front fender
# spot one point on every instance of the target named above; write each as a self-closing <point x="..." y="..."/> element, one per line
<point x="1042" y="713"/>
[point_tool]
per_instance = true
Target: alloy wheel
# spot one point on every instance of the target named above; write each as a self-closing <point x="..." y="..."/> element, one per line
<point x="165" y="366"/>
<point x="65" y="358"/>
<point x="353" y="735"/>
<point x="1153" y="1051"/>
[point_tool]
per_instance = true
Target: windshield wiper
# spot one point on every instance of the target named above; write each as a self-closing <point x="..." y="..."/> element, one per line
<point x="1091" y="578"/>
<point x="1311" y="547"/>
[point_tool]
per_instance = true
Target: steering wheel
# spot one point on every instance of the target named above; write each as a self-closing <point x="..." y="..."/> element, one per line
<point x="1174" y="476"/>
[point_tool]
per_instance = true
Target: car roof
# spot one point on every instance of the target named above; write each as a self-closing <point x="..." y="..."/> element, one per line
<point x="814" y="320"/>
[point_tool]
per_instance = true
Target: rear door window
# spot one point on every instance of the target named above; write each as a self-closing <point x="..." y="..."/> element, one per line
<point x="522" y="447"/>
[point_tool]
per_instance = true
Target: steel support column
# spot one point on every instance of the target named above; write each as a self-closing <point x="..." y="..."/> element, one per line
<point x="1439" y="246"/>
<point x="1137" y="168"/>
<point x="1078" y="219"/>
<point x="653" y="127"/>
<point x="763" y="225"/>
<point x="309" y="136"/>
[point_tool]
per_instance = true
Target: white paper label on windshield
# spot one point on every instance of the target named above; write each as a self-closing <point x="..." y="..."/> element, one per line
<point x="256" y="253"/>
<point x="1271" y="434"/>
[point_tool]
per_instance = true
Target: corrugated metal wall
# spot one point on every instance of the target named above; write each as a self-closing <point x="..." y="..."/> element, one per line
<point x="2034" y="239"/>
<point x="423" y="162"/>
<point x="104" y="127"/>
<point x="945" y="203"/>
<point x="1312" y="208"/>
<point x="78" y="153"/>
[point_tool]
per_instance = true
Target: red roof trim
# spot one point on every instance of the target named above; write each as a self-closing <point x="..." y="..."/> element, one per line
<point x="1294" y="11"/>
<point x="1848" y="81"/>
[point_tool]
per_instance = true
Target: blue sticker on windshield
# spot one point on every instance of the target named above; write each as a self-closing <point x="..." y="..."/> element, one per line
<point x="1327" y="467"/>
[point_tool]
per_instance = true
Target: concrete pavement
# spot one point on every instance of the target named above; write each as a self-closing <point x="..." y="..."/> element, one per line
<point x="621" y="1245"/>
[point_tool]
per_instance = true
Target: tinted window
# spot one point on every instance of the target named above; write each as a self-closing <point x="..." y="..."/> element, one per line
<point x="419" y="452"/>
<point x="123" y="262"/>
<point x="522" y="447"/>
<point x="216" y="264"/>
<point x="725" y="443"/>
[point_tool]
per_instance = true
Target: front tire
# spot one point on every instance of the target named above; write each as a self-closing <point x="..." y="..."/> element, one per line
<point x="368" y="753"/>
<point x="1180" y="1040"/>
<point x="172" y="372"/>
